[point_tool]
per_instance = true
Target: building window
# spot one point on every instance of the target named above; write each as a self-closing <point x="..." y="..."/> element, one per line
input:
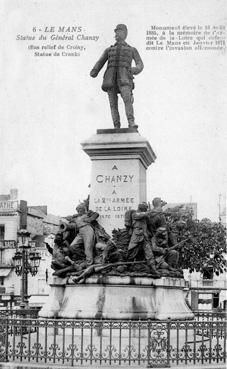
<point x="2" y="232"/>
<point x="215" y="300"/>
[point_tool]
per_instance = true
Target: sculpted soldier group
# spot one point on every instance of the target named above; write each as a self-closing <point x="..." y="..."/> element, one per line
<point x="82" y="247"/>
<point x="150" y="234"/>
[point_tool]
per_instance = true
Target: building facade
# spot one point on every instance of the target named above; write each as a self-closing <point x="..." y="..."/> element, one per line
<point x="208" y="294"/>
<point x="14" y="215"/>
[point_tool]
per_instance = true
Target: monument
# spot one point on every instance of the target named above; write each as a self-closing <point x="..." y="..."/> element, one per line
<point x="116" y="258"/>
<point x="118" y="78"/>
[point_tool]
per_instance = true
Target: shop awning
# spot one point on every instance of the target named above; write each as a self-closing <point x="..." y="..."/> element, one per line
<point x="4" y="272"/>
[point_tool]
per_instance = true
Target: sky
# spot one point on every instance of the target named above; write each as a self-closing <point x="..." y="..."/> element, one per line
<point x="50" y="105"/>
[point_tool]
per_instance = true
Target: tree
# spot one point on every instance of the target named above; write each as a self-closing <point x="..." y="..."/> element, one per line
<point x="205" y="245"/>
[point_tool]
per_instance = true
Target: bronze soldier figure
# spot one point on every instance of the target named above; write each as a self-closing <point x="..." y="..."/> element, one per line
<point x="140" y="238"/>
<point x="85" y="234"/>
<point x="166" y="256"/>
<point x="118" y="77"/>
<point x="157" y="216"/>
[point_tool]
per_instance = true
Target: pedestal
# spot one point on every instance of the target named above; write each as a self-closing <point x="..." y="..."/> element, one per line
<point x="120" y="158"/>
<point x="116" y="297"/>
<point x="54" y="302"/>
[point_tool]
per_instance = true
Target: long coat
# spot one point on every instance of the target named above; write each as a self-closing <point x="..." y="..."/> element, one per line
<point x="140" y="231"/>
<point x="119" y="71"/>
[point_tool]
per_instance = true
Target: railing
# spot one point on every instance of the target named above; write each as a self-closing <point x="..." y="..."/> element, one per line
<point x="112" y="342"/>
<point x="210" y="315"/>
<point x="33" y="313"/>
<point x="214" y="283"/>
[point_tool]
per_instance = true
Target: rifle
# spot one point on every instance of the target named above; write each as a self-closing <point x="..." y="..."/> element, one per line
<point x="100" y="267"/>
<point x="153" y="213"/>
<point x="179" y="244"/>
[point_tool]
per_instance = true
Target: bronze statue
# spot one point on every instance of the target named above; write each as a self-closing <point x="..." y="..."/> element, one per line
<point x="139" y="228"/>
<point x="106" y="252"/>
<point x="59" y="253"/>
<point x="61" y="261"/>
<point x="85" y="235"/>
<point x="145" y="247"/>
<point x="157" y="215"/>
<point x="166" y="255"/>
<point x="118" y="77"/>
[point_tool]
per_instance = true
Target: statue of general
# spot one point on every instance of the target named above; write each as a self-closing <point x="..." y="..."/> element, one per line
<point x="118" y="77"/>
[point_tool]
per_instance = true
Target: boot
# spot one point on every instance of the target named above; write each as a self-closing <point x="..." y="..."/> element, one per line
<point x="153" y="270"/>
<point x="117" y="124"/>
<point x="131" y="124"/>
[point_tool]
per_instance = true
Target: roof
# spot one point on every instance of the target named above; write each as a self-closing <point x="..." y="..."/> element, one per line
<point x="4" y="197"/>
<point x="52" y="219"/>
<point x="47" y="218"/>
<point x="36" y="212"/>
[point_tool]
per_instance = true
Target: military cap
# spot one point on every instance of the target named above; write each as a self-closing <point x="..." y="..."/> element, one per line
<point x="123" y="27"/>
<point x="142" y="205"/>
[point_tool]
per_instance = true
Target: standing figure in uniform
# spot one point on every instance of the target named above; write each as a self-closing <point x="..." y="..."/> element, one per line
<point x="157" y="216"/>
<point x="85" y="234"/>
<point x="118" y="77"/>
<point x="140" y="237"/>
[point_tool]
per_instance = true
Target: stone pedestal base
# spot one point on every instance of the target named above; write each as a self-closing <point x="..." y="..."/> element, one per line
<point x="115" y="297"/>
<point x="120" y="158"/>
<point x="54" y="301"/>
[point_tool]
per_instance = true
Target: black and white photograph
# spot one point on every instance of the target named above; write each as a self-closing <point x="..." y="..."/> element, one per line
<point x="113" y="147"/>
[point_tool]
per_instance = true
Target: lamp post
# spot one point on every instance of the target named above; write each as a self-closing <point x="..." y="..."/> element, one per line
<point x="26" y="260"/>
